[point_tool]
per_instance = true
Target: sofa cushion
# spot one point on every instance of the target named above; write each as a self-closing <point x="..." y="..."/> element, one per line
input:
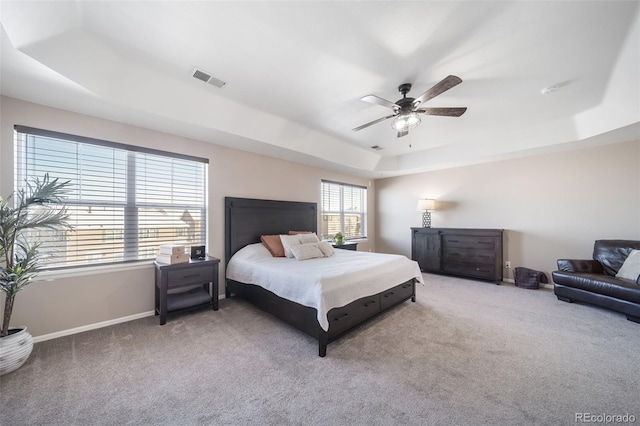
<point x="612" y="253"/>
<point x="601" y="284"/>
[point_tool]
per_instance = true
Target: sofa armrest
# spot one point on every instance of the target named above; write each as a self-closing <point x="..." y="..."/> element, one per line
<point x="580" y="265"/>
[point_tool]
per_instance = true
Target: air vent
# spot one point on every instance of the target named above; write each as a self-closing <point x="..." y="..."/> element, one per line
<point x="376" y="147"/>
<point x="207" y="78"/>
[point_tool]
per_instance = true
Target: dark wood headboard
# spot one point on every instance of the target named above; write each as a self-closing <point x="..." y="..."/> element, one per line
<point x="246" y="219"/>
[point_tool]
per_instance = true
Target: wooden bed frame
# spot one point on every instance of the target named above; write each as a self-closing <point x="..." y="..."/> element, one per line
<point x="247" y="219"/>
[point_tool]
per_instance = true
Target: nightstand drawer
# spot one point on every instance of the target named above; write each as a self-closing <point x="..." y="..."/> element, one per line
<point x="190" y="275"/>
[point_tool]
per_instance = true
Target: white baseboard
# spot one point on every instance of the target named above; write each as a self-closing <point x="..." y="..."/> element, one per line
<point x="91" y="326"/>
<point x="97" y="325"/>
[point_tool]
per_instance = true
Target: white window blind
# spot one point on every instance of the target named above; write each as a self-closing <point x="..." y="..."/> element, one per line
<point x="123" y="201"/>
<point x="343" y="210"/>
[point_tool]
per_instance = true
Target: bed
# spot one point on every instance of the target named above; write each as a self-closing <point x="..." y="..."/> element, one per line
<point x="328" y="317"/>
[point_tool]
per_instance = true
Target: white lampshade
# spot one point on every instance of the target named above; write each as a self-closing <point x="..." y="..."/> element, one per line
<point x="426" y="205"/>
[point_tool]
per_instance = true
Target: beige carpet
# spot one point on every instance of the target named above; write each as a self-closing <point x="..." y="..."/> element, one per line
<point x="466" y="353"/>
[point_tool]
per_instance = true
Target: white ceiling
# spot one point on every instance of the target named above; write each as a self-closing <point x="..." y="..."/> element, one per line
<point x="295" y="73"/>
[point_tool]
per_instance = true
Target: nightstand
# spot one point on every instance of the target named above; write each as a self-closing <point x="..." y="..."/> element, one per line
<point x="346" y="246"/>
<point x="186" y="285"/>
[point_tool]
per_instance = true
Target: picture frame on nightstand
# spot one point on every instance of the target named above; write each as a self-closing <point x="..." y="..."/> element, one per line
<point x="198" y="252"/>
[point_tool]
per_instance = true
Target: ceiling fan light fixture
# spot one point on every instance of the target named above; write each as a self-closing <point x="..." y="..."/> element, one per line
<point x="406" y="114"/>
<point x="406" y="121"/>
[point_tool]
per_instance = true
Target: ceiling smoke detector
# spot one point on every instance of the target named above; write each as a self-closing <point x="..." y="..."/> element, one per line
<point x="206" y="77"/>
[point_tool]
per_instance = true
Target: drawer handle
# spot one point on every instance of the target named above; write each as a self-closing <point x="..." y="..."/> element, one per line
<point x="340" y="317"/>
<point x="406" y="286"/>
<point x="484" y="242"/>
<point x="389" y="294"/>
<point x="366" y="305"/>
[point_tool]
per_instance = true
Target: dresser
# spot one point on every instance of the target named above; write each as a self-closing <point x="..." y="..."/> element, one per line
<point x="471" y="253"/>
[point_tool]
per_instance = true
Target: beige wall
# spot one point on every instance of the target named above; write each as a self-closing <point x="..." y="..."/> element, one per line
<point x="551" y="206"/>
<point x="65" y="303"/>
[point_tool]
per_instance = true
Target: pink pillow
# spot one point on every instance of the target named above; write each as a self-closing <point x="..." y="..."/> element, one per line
<point x="273" y="244"/>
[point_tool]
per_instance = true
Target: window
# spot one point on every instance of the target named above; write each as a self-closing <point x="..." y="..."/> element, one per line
<point x="344" y="209"/>
<point x="123" y="201"/>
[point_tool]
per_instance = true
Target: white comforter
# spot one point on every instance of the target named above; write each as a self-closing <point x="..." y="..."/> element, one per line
<point x="323" y="283"/>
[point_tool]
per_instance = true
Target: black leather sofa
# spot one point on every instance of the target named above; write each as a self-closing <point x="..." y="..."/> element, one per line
<point x="594" y="281"/>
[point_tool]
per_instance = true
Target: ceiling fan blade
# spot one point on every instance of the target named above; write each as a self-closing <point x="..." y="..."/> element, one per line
<point x="449" y="112"/>
<point x="403" y="133"/>
<point x="379" y="101"/>
<point x="371" y="123"/>
<point x="439" y="88"/>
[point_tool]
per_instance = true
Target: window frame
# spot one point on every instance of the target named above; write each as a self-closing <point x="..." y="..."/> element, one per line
<point x="131" y="251"/>
<point x="341" y="212"/>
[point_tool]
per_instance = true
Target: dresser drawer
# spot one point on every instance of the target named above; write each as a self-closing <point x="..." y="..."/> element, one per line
<point x="482" y="271"/>
<point x="345" y="317"/>
<point x="190" y="275"/>
<point x="396" y="294"/>
<point x="469" y="242"/>
<point x="465" y="255"/>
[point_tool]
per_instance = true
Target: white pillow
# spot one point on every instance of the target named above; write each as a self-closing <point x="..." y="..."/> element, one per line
<point x="289" y="241"/>
<point x="308" y="238"/>
<point x="306" y="251"/>
<point x="631" y="267"/>
<point x="326" y="248"/>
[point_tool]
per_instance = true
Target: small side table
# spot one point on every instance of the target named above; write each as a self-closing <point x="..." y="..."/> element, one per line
<point x="346" y="246"/>
<point x="186" y="276"/>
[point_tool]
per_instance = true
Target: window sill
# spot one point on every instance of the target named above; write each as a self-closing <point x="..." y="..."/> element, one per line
<point x="91" y="270"/>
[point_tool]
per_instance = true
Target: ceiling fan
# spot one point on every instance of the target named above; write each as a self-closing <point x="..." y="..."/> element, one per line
<point x="407" y="110"/>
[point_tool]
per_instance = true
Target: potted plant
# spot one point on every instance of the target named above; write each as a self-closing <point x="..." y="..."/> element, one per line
<point x="339" y="239"/>
<point x="28" y="208"/>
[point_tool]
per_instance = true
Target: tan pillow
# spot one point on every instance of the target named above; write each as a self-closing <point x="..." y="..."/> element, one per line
<point x="273" y="244"/>
<point x="306" y="251"/>
<point x="299" y="232"/>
